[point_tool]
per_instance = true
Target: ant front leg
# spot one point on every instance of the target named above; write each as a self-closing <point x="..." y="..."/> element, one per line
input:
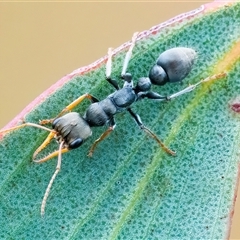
<point x="70" y="107"/>
<point x="149" y="132"/>
<point x="102" y="137"/>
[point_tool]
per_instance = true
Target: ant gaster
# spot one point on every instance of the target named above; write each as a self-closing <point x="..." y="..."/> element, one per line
<point x="71" y="130"/>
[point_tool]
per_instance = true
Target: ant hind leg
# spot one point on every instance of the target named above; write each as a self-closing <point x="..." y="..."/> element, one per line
<point x="192" y="87"/>
<point x="149" y="132"/>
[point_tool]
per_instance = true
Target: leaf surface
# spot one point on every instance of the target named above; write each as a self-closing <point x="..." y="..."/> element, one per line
<point x="130" y="188"/>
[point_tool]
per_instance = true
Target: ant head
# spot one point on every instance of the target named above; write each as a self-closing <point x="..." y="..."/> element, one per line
<point x="73" y="129"/>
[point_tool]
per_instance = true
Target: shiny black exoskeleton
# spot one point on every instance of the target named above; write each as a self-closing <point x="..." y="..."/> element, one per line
<point x="172" y="65"/>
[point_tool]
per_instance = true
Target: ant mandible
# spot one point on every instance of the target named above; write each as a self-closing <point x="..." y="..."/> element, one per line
<point x="71" y="130"/>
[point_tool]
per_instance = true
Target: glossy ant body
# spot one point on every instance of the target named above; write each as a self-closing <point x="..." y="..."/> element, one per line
<point x="71" y="129"/>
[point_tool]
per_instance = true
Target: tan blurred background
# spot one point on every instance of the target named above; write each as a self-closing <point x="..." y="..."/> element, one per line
<point x="42" y="42"/>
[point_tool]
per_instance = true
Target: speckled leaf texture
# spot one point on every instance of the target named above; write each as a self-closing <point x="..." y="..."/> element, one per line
<point x="131" y="188"/>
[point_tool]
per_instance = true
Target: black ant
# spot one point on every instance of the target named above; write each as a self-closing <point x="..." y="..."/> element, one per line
<point x="71" y="130"/>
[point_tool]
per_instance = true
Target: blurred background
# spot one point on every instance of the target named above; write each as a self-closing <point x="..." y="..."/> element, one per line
<point x="42" y="42"/>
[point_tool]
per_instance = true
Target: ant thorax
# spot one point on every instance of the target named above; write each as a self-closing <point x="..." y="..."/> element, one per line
<point x="123" y="98"/>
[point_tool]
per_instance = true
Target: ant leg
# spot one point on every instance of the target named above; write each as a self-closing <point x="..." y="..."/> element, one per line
<point x="149" y="132"/>
<point x="156" y="96"/>
<point x="129" y="54"/>
<point x="113" y="82"/>
<point x="78" y="101"/>
<point x="70" y="107"/>
<point x="192" y="87"/>
<point x="59" y="152"/>
<point x="102" y="137"/>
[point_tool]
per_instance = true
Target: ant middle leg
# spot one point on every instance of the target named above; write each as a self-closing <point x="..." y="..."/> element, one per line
<point x="127" y="58"/>
<point x="149" y="132"/>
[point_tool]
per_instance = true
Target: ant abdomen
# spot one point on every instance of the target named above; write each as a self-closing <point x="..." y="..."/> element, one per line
<point x="173" y="65"/>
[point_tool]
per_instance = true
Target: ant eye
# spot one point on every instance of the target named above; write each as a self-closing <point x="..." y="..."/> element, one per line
<point x="76" y="143"/>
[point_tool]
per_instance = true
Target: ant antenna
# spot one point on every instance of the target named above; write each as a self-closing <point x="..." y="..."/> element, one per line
<point x="28" y="124"/>
<point x="52" y="179"/>
<point x="129" y="54"/>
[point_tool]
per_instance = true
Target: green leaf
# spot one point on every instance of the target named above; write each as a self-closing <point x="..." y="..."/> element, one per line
<point x="130" y="188"/>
